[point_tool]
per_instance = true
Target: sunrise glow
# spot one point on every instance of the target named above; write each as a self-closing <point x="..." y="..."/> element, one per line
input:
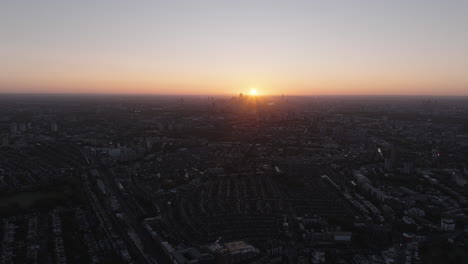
<point x="216" y="47"/>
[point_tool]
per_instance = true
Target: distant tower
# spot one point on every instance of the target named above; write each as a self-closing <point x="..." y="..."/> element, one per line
<point x="54" y="127"/>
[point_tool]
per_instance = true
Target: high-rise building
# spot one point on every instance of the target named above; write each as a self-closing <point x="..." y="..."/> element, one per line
<point x="54" y="127"/>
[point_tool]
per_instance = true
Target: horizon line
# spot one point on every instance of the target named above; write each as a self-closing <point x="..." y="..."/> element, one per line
<point x="221" y="95"/>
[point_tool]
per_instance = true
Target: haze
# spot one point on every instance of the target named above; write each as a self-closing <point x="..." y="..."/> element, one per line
<point x="227" y="47"/>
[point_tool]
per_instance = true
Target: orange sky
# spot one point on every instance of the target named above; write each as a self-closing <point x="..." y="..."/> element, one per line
<point x="294" y="47"/>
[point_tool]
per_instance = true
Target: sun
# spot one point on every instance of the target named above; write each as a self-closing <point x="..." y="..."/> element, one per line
<point x="253" y="92"/>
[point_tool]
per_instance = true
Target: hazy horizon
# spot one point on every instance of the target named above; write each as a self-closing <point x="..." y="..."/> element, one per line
<point x="227" y="47"/>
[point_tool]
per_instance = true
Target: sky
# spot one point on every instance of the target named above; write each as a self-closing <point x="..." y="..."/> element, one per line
<point x="295" y="47"/>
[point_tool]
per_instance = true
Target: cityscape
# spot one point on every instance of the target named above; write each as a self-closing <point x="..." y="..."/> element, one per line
<point x="242" y="179"/>
<point x="234" y="132"/>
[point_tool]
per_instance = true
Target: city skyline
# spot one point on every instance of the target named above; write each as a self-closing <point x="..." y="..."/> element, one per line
<point x="225" y="47"/>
